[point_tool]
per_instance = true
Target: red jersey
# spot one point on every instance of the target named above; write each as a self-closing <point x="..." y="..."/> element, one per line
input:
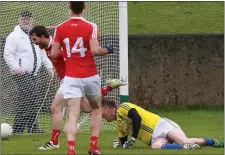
<point x="59" y="63"/>
<point x="74" y="35"/>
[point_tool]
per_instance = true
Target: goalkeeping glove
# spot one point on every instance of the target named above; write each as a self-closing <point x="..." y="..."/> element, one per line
<point x="129" y="143"/>
<point x="116" y="143"/>
<point x="109" y="48"/>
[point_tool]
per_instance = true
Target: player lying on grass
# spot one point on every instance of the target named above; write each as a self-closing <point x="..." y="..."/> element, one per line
<point x="41" y="37"/>
<point x="149" y="128"/>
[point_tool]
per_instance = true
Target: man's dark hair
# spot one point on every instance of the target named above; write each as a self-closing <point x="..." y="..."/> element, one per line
<point x="26" y="14"/>
<point x="77" y="6"/>
<point x="39" y="31"/>
<point x="108" y="103"/>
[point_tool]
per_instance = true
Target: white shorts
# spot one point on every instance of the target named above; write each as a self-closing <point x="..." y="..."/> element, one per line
<point x="163" y="127"/>
<point x="60" y="90"/>
<point x="80" y="87"/>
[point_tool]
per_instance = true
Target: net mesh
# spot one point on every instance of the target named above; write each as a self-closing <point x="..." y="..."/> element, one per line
<point x="26" y="102"/>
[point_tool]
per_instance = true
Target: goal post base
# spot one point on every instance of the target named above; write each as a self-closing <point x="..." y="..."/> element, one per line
<point x="124" y="98"/>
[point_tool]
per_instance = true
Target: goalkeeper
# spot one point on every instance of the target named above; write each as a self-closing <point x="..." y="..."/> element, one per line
<point x="149" y="128"/>
<point x="41" y="37"/>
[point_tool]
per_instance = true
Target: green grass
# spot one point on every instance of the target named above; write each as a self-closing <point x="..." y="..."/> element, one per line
<point x="175" y="17"/>
<point x="194" y="123"/>
<point x="143" y="17"/>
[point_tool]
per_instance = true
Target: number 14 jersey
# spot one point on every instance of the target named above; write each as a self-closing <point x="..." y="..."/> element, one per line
<point x="74" y="35"/>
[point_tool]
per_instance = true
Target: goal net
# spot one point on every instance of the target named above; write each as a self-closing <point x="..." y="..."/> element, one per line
<point x="17" y="105"/>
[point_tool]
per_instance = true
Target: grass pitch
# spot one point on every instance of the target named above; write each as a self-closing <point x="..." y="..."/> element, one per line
<point x="175" y="17"/>
<point x="194" y="123"/>
<point x="143" y="17"/>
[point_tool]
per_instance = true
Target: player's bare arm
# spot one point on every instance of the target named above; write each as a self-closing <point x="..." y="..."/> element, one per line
<point x="96" y="50"/>
<point x="55" y="52"/>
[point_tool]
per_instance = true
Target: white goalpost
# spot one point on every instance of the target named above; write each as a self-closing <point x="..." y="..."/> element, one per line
<point x="111" y="18"/>
<point x="123" y="48"/>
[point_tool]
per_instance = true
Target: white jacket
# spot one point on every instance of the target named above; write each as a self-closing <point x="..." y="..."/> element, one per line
<point x="18" y="52"/>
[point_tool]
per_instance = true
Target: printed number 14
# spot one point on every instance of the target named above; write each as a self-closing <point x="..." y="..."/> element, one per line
<point x="79" y="43"/>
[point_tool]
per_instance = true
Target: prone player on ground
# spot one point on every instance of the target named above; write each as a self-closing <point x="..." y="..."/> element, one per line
<point x="79" y="40"/>
<point x="42" y="38"/>
<point x="149" y="128"/>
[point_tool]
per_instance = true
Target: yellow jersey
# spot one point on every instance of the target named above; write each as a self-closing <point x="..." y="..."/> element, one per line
<point x="124" y="123"/>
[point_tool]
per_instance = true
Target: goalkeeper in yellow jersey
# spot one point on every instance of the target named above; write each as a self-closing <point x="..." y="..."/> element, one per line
<point x="149" y="128"/>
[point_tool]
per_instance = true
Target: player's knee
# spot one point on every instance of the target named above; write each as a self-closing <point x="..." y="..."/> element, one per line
<point x="97" y="111"/>
<point x="157" y="145"/>
<point x="55" y="109"/>
<point x="95" y="103"/>
<point x="85" y="106"/>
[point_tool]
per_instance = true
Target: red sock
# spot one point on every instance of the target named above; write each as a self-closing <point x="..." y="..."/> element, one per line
<point x="55" y="136"/>
<point x="94" y="142"/>
<point x="71" y="145"/>
<point x="105" y="90"/>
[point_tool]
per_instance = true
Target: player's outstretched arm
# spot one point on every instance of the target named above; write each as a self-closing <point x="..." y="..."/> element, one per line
<point x="96" y="50"/>
<point x="136" y="125"/>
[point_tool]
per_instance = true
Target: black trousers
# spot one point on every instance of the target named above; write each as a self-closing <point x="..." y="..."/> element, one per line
<point x="28" y="103"/>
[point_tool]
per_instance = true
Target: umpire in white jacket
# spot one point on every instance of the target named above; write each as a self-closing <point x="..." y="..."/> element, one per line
<point x="25" y="60"/>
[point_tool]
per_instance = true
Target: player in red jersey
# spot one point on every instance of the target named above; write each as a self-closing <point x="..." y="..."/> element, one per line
<point x="79" y="39"/>
<point x="42" y="38"/>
